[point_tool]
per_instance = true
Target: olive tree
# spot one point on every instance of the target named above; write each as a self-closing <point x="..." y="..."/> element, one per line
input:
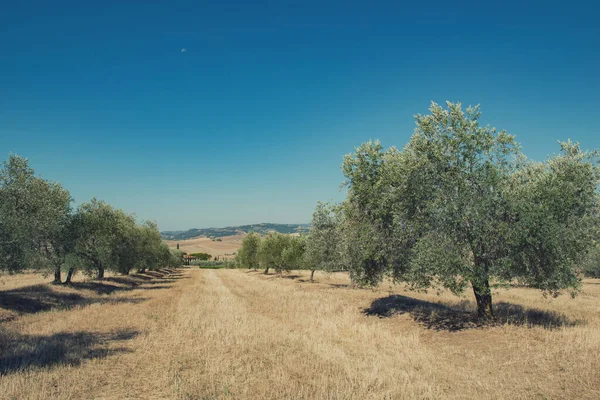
<point x="175" y="258"/>
<point x="591" y="266"/>
<point x="54" y="236"/>
<point x="323" y="242"/>
<point x="100" y="230"/>
<point x="460" y="206"/>
<point x="293" y="253"/>
<point x="271" y="251"/>
<point x="150" y="247"/>
<point x="35" y="217"/>
<point x="129" y="243"/>
<point x="248" y="254"/>
<point x="17" y="213"/>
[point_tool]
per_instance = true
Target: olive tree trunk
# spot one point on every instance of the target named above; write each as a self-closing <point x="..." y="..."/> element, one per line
<point x="100" y="273"/>
<point x="69" y="275"/>
<point x="483" y="297"/>
<point x="312" y="275"/>
<point x="57" y="276"/>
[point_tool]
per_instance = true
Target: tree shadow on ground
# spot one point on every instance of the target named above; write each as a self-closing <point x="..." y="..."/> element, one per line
<point x="290" y="276"/>
<point x="155" y="287"/>
<point x="38" y="298"/>
<point x="128" y="282"/>
<point x="32" y="299"/>
<point x="44" y="297"/>
<point x="441" y="317"/>
<point x="20" y="352"/>
<point x="340" y="285"/>
<point x="100" y="287"/>
<point x="162" y="273"/>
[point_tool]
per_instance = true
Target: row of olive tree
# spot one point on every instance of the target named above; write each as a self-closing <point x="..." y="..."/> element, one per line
<point x="39" y="229"/>
<point x="460" y="206"/>
<point x="275" y="251"/>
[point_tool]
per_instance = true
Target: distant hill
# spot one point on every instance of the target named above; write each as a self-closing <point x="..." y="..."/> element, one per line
<point x="263" y="228"/>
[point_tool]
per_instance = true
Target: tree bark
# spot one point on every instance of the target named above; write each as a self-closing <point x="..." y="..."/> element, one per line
<point x="57" y="276"/>
<point x="69" y="275"/>
<point x="100" y="274"/>
<point x="142" y="270"/>
<point x="266" y="270"/>
<point x="312" y="275"/>
<point x="483" y="296"/>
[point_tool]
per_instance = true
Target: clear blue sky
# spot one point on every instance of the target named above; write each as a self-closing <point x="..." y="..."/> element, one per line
<point x="250" y="122"/>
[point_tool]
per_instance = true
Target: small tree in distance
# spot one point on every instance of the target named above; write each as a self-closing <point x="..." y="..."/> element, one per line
<point x="294" y="253"/>
<point x="248" y="254"/>
<point x="323" y="242"/>
<point x="271" y="251"/>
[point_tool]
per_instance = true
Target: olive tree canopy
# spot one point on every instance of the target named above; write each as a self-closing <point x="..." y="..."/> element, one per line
<point x="461" y="206"/>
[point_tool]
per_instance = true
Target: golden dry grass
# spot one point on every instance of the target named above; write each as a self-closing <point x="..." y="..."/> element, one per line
<point x="218" y="334"/>
<point x="226" y="247"/>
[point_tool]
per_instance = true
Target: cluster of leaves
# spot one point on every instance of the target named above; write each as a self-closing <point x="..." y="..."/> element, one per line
<point x="39" y="229"/>
<point x="274" y="251"/>
<point x="201" y="256"/>
<point x="591" y="267"/>
<point x="460" y="206"/>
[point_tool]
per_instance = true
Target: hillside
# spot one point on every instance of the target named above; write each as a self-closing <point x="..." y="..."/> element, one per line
<point x="263" y="228"/>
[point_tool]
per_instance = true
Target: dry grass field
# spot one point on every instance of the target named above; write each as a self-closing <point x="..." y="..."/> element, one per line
<point x="220" y="334"/>
<point x="226" y="247"/>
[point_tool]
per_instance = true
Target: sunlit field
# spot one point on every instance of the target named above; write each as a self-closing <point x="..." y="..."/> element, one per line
<point x="226" y="247"/>
<point x="212" y="334"/>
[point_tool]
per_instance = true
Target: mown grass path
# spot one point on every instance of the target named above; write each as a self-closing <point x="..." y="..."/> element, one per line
<point x="209" y="334"/>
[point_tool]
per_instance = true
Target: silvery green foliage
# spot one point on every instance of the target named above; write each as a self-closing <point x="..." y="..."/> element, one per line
<point x="109" y="239"/>
<point x="323" y="243"/>
<point x="150" y="247"/>
<point x="554" y="219"/>
<point x="248" y="254"/>
<point x="34" y="218"/>
<point x="100" y="231"/>
<point x="38" y="229"/>
<point x="591" y="266"/>
<point x="293" y="253"/>
<point x="374" y="240"/>
<point x="271" y="251"/>
<point x="461" y="206"/>
<point x="54" y="236"/>
<point x="17" y="213"/>
<point x="175" y="257"/>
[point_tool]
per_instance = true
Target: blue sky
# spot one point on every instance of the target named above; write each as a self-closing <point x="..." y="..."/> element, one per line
<point x="250" y="122"/>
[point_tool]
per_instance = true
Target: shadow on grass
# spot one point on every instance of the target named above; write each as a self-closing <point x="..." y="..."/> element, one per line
<point x="438" y="316"/>
<point x="43" y="297"/>
<point x="37" y="298"/>
<point x="162" y="273"/>
<point x="155" y="287"/>
<point x="20" y="352"/>
<point x="32" y="299"/>
<point x="290" y="276"/>
<point x="100" y="287"/>
<point x="129" y="282"/>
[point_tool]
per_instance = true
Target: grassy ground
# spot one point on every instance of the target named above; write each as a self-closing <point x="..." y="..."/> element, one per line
<point x="209" y="334"/>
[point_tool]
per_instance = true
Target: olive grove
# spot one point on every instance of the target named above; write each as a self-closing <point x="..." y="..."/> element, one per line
<point x="39" y="229"/>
